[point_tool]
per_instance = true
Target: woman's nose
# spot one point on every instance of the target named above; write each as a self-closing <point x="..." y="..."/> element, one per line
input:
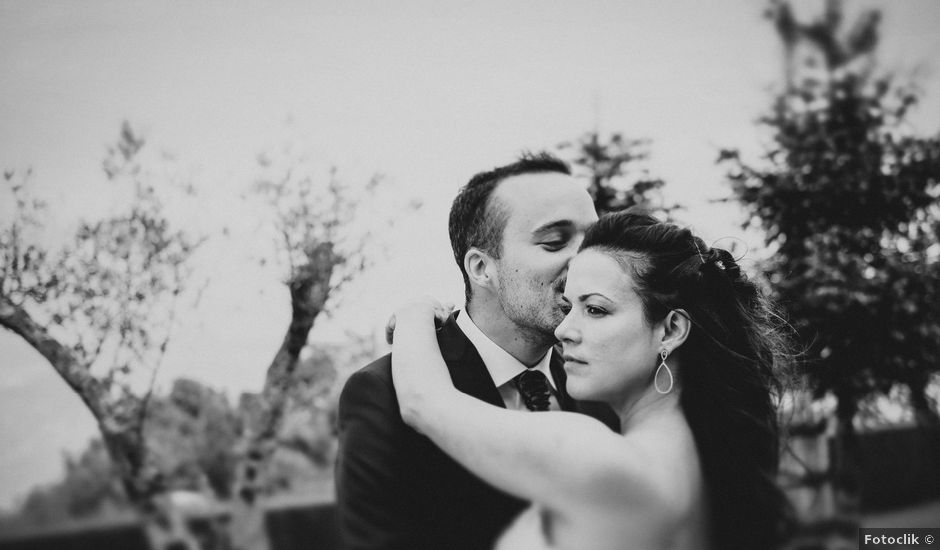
<point x="565" y="332"/>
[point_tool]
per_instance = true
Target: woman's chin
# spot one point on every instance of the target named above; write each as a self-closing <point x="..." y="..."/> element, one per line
<point x="578" y="389"/>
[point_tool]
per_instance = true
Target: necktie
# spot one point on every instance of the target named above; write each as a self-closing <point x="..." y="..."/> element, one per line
<point x="535" y="390"/>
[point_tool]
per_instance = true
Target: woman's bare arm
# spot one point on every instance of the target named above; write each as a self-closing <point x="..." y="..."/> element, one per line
<point x="558" y="459"/>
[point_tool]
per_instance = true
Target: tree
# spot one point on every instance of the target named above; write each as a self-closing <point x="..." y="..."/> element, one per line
<point x="90" y="488"/>
<point x="848" y="202"/>
<point x="616" y="172"/>
<point x="190" y="433"/>
<point x="307" y="442"/>
<point x="101" y="310"/>
<point x="323" y="228"/>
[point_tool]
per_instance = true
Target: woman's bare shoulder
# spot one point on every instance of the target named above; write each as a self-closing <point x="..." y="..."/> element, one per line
<point x="656" y="468"/>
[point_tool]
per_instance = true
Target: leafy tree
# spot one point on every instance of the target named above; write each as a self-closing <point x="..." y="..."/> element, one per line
<point x="616" y="172"/>
<point x="314" y="219"/>
<point x="307" y="439"/>
<point x="90" y="488"/>
<point x="190" y="433"/>
<point x="848" y="201"/>
<point x="101" y="309"/>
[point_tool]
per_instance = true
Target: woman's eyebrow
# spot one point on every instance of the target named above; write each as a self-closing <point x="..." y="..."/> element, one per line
<point x="584" y="297"/>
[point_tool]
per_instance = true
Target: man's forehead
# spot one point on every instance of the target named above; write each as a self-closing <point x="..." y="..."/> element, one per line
<point x="545" y="200"/>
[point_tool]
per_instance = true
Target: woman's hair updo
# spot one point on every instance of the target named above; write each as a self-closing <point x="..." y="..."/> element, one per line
<point x="728" y="373"/>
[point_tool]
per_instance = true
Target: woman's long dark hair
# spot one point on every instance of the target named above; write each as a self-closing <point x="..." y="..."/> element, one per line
<point x="729" y="367"/>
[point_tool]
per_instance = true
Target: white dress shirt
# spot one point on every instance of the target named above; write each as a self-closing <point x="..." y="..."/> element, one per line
<point x="503" y="367"/>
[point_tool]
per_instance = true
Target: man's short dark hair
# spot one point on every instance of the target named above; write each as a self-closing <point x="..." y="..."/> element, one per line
<point x="477" y="221"/>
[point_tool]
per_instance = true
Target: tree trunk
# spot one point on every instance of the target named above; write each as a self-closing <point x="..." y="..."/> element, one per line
<point x="73" y="371"/>
<point x="846" y="460"/>
<point x="120" y="422"/>
<point x="309" y="291"/>
<point x="925" y="414"/>
<point x="165" y="526"/>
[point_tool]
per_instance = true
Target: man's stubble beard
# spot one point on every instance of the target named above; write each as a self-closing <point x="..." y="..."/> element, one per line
<point x="536" y="314"/>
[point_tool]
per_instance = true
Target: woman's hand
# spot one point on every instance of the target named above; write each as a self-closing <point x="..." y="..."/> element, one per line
<point x="420" y="376"/>
<point x="421" y="306"/>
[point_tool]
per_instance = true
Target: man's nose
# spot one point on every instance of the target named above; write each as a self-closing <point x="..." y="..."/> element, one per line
<point x="576" y="241"/>
<point x="570" y="253"/>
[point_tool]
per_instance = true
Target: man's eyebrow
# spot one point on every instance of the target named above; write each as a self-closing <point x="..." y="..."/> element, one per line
<point x="552" y="226"/>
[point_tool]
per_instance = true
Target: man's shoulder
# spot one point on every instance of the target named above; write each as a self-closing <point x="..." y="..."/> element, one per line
<point x="380" y="367"/>
<point x="450" y="339"/>
<point x="374" y="379"/>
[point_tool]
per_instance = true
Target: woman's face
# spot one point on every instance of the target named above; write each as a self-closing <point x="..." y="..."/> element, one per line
<point x="610" y="350"/>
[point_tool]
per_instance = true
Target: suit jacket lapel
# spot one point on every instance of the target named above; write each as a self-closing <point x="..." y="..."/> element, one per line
<point x="467" y="370"/>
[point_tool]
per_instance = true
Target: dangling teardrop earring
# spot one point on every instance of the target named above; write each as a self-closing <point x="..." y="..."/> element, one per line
<point x="662" y="365"/>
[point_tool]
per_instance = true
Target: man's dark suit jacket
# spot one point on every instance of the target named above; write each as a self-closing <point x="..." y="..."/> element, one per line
<point x="397" y="490"/>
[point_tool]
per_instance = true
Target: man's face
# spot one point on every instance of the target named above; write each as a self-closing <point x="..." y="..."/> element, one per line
<point x="547" y="214"/>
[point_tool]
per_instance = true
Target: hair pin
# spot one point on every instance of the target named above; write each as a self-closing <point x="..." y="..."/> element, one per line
<point x="699" y="250"/>
<point x="734" y="240"/>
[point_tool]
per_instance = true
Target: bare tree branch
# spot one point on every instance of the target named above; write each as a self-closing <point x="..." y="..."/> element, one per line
<point x="74" y="372"/>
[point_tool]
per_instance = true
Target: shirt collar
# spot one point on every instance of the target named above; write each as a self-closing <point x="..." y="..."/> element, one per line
<point x="502" y="366"/>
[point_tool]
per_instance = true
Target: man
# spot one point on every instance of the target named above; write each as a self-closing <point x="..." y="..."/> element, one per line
<point x="513" y="230"/>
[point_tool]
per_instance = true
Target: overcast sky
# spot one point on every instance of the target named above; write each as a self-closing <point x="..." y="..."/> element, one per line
<point x="425" y="93"/>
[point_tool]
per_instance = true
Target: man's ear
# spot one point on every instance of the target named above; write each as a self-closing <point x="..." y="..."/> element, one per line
<point x="480" y="267"/>
<point x="676" y="325"/>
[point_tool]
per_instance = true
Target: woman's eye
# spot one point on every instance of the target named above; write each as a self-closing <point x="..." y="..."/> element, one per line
<point x="594" y="310"/>
<point x="554" y="245"/>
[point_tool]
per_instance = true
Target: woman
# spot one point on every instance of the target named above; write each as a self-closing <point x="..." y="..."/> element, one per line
<point x="684" y="348"/>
